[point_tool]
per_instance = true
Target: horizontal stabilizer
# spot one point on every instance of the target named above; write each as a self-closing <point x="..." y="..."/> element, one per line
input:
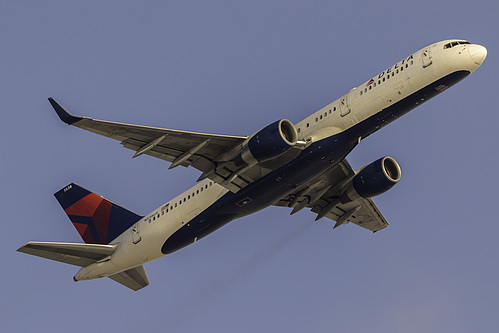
<point x="134" y="278"/>
<point x="69" y="253"/>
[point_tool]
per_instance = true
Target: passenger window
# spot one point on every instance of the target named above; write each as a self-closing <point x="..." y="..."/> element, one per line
<point x="308" y="124"/>
<point x="321" y="117"/>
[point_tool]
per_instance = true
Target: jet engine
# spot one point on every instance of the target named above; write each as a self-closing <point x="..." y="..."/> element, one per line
<point x="374" y="179"/>
<point x="270" y="142"/>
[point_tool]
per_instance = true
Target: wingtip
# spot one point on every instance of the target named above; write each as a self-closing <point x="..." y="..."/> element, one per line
<point x="63" y="114"/>
<point x="21" y="249"/>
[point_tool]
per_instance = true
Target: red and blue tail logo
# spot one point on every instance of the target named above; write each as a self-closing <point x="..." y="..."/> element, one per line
<point x="97" y="220"/>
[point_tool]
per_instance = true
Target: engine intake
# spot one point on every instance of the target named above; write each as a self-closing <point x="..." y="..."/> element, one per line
<point x="270" y="142"/>
<point x="375" y="178"/>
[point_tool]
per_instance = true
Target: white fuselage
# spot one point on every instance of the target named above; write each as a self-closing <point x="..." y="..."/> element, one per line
<point x="144" y="240"/>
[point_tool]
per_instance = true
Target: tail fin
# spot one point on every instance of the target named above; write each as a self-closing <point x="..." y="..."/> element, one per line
<point x="97" y="220"/>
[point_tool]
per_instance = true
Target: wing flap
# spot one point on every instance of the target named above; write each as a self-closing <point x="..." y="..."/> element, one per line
<point x="365" y="214"/>
<point x="69" y="253"/>
<point x="135" y="278"/>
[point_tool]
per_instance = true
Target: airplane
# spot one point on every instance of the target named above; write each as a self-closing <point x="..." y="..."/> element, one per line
<point x="290" y="165"/>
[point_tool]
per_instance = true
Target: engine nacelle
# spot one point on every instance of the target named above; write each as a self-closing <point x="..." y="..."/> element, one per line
<point x="374" y="179"/>
<point x="270" y="142"/>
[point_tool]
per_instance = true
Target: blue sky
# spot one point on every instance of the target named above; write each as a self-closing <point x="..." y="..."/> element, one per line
<point x="231" y="68"/>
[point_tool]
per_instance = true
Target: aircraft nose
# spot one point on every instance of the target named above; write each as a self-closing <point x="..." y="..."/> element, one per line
<point x="478" y="53"/>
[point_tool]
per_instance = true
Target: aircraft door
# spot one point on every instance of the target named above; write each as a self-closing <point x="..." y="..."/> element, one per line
<point x="427" y="58"/>
<point x="135" y="234"/>
<point x="345" y="104"/>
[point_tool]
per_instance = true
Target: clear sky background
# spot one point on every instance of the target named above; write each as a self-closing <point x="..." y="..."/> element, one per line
<point x="232" y="67"/>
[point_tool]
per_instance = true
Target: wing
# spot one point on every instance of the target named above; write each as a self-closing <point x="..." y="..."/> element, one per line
<point x="322" y="196"/>
<point x="69" y="253"/>
<point x="202" y="151"/>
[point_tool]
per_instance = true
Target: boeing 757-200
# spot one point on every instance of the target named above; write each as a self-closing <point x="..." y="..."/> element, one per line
<point x="298" y="166"/>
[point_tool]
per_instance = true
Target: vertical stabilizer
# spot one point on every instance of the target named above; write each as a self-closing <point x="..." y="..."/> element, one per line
<point x="97" y="220"/>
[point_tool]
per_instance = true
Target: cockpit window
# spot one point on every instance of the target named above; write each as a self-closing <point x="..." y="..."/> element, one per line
<point x="451" y="45"/>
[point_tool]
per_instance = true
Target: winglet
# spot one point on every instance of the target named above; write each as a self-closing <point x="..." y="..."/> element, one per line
<point x="65" y="116"/>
